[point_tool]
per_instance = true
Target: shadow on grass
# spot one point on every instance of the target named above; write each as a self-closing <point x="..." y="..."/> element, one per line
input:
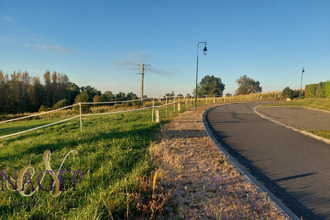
<point x="146" y="134"/>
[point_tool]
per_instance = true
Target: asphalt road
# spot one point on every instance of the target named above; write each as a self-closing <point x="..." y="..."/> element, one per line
<point x="294" y="167"/>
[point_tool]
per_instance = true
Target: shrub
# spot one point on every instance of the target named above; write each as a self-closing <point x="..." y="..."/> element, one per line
<point x="320" y="90"/>
<point x="43" y="108"/>
<point x="60" y="104"/>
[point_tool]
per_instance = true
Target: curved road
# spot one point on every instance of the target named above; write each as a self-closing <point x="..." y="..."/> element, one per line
<point x="294" y="167"/>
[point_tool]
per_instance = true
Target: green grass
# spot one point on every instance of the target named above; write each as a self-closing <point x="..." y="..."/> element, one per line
<point x="321" y="133"/>
<point x="112" y="155"/>
<point x="317" y="103"/>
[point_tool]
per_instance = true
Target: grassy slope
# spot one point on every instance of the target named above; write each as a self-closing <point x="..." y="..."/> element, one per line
<point x="112" y="155"/>
<point x="317" y="103"/>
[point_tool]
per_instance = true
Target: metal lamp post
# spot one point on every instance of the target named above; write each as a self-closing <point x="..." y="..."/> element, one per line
<point x="302" y="72"/>
<point x="205" y="52"/>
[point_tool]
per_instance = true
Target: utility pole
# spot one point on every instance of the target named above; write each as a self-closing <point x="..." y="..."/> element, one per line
<point x="142" y="79"/>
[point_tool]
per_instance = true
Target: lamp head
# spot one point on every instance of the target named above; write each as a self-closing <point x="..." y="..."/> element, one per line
<point x="205" y="50"/>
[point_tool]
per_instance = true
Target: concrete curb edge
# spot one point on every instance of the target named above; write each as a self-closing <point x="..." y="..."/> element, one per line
<point x="246" y="175"/>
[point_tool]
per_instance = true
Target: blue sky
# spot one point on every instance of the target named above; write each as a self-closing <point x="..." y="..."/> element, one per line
<point x="101" y="43"/>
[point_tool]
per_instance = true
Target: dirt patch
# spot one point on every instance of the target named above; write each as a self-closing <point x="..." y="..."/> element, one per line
<point x="209" y="186"/>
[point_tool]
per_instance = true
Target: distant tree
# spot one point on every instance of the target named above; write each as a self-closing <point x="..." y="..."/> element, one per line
<point x="188" y="96"/>
<point x="296" y="94"/>
<point x="179" y="96"/>
<point x="87" y="93"/>
<point x="120" y="96"/>
<point x="107" y="96"/>
<point x="48" y="88"/>
<point x="131" y="96"/>
<point x="287" y="93"/>
<point x="247" y="85"/>
<point x="170" y="94"/>
<point x="97" y="98"/>
<point x="228" y="95"/>
<point x="63" y="82"/>
<point x="54" y="88"/>
<point x="60" y="104"/>
<point x="37" y="94"/>
<point x="210" y="85"/>
<point x="72" y="90"/>
<point x="3" y="93"/>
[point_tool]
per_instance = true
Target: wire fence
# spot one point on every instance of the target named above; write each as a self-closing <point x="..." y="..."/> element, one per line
<point x="80" y="110"/>
<point x="149" y="103"/>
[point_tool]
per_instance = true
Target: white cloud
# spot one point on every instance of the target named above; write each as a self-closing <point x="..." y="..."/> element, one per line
<point x="8" y="19"/>
<point x="162" y="72"/>
<point x="136" y="58"/>
<point x="56" y="48"/>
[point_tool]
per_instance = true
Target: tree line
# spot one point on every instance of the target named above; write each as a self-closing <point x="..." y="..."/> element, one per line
<point x="20" y="92"/>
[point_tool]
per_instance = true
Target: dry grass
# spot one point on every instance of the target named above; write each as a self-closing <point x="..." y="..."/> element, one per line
<point x="209" y="186"/>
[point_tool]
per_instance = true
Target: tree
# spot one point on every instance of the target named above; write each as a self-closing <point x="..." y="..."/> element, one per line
<point x="48" y="87"/>
<point x="180" y="96"/>
<point x="37" y="94"/>
<point x="97" y="98"/>
<point x="170" y="94"/>
<point x="120" y="96"/>
<point x="287" y="93"/>
<point x="88" y="93"/>
<point x="72" y="90"/>
<point x="131" y="96"/>
<point x="108" y="96"/>
<point x="210" y="85"/>
<point x="247" y="85"/>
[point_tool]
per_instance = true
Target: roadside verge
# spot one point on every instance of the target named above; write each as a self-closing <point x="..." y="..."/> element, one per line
<point x="209" y="185"/>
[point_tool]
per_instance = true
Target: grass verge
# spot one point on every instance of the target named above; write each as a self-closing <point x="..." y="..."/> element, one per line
<point x="316" y="103"/>
<point x="321" y="133"/>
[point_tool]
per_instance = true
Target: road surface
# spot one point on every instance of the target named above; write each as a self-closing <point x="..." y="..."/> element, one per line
<point x="294" y="167"/>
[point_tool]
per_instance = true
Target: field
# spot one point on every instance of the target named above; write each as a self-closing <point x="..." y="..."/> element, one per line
<point x="112" y="155"/>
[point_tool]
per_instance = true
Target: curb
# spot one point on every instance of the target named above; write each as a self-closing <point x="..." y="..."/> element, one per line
<point x="327" y="141"/>
<point x="288" y="214"/>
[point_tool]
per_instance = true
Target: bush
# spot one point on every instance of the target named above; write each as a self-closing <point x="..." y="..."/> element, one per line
<point x="60" y="104"/>
<point x="43" y="108"/>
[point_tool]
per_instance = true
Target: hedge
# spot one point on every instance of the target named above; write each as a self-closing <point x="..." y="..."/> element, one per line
<point x="320" y="90"/>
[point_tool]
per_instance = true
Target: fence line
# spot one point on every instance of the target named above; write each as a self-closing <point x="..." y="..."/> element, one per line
<point x="114" y="102"/>
<point x="95" y="114"/>
<point x="80" y="115"/>
<point x="43" y="126"/>
<point x="109" y="113"/>
<point x="42" y="113"/>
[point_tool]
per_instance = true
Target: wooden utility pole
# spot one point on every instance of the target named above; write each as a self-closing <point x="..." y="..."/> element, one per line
<point x="142" y="79"/>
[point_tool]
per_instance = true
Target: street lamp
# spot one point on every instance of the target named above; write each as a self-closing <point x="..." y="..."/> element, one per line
<point x="205" y="52"/>
<point x="302" y="72"/>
